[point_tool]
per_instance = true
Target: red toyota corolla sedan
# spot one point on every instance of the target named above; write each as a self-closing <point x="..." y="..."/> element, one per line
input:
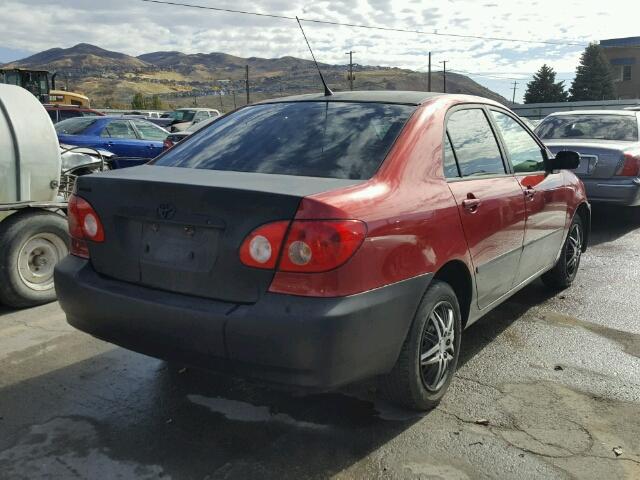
<point x="318" y="240"/>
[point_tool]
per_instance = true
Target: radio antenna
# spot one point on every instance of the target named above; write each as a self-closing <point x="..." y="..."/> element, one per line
<point x="327" y="90"/>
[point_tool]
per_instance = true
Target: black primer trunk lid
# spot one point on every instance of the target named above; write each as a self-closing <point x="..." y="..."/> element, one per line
<point x="180" y="229"/>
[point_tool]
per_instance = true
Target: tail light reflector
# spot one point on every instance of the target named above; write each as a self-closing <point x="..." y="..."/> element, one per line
<point x="310" y="245"/>
<point x="630" y="166"/>
<point x="84" y="224"/>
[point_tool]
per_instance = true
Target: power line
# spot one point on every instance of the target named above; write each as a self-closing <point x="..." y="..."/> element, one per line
<point x="370" y="27"/>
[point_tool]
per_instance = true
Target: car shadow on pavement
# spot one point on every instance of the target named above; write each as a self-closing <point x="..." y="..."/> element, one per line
<point x="120" y="413"/>
<point x="485" y="330"/>
<point x="610" y="223"/>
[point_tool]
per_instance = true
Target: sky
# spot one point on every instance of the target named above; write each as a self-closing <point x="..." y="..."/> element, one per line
<point x="135" y="27"/>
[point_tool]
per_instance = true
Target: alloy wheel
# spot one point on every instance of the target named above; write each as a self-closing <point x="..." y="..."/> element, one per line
<point x="437" y="347"/>
<point x="574" y="249"/>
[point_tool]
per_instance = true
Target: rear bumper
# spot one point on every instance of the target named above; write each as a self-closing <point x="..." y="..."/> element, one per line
<point x="619" y="191"/>
<point x="302" y="341"/>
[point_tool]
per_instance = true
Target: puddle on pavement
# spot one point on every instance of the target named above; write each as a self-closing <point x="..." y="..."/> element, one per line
<point x="68" y="447"/>
<point x="630" y="342"/>
<point x="247" y="412"/>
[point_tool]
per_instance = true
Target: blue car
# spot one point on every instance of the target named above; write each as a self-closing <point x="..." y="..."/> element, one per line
<point x="125" y="137"/>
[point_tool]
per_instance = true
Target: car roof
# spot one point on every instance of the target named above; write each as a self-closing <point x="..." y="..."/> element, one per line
<point x="197" y="109"/>
<point x="628" y="113"/>
<point x="374" y="96"/>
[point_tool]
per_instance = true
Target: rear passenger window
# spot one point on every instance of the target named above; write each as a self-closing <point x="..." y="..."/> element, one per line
<point x="524" y="152"/>
<point x="474" y="144"/>
<point x="449" y="164"/>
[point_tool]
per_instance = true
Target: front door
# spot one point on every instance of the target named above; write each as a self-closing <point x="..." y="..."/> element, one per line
<point x="544" y="193"/>
<point x="490" y="202"/>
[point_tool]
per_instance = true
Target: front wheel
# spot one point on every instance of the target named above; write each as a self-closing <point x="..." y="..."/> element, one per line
<point x="564" y="272"/>
<point x="429" y="355"/>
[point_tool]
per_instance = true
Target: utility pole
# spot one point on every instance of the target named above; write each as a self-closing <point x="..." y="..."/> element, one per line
<point x="246" y="83"/>
<point x="429" y="76"/>
<point x="234" y="99"/>
<point x="515" y="86"/>
<point x="221" y="106"/>
<point x="350" y="53"/>
<point x="444" y="74"/>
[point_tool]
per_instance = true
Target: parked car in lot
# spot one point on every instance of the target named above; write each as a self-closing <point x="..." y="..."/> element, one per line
<point x="176" y="137"/>
<point x="125" y="137"/>
<point x="57" y="113"/>
<point x="609" y="148"/>
<point x="318" y="240"/>
<point x="183" y="118"/>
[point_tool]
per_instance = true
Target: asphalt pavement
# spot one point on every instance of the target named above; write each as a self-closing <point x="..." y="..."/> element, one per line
<point x="548" y="386"/>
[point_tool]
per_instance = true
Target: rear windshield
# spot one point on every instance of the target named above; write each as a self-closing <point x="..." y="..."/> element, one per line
<point x="591" y="127"/>
<point x="314" y="139"/>
<point x="74" y="126"/>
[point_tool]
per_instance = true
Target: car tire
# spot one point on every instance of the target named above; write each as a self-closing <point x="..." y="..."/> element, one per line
<point x="564" y="272"/>
<point x="421" y="387"/>
<point x="30" y="246"/>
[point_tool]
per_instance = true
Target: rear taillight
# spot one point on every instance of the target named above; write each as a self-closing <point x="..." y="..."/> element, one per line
<point x="630" y="166"/>
<point x="84" y="224"/>
<point x="167" y="144"/>
<point x="320" y="245"/>
<point x="310" y="245"/>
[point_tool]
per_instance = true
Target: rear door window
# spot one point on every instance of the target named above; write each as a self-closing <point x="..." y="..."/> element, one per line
<point x="149" y="131"/>
<point x="524" y="152"/>
<point x="474" y="143"/>
<point x="316" y="139"/>
<point x="450" y="166"/>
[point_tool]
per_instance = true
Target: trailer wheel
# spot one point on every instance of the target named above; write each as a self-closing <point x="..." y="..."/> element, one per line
<point x="31" y="244"/>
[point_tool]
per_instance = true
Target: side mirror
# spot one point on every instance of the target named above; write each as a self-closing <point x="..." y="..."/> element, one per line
<point x="564" y="160"/>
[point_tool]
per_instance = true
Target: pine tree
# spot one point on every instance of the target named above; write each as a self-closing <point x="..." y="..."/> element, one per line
<point x="544" y="88"/>
<point x="593" y="76"/>
<point x="138" y="101"/>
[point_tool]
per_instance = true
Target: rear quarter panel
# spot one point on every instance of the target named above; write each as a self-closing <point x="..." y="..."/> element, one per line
<point x="412" y="218"/>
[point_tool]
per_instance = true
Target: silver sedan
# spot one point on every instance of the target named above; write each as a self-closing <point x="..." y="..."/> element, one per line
<point x="609" y="148"/>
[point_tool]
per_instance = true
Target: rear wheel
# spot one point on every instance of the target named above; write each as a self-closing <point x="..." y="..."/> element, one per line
<point x="430" y="352"/>
<point x="564" y="272"/>
<point x="31" y="244"/>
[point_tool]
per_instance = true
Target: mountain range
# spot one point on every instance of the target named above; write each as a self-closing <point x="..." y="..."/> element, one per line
<point x="217" y="79"/>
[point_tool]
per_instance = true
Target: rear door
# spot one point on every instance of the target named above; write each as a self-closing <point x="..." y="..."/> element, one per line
<point x="120" y="137"/>
<point x="490" y="201"/>
<point x="152" y="136"/>
<point x="545" y="196"/>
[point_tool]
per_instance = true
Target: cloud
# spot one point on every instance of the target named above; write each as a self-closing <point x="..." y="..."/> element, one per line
<point x="135" y="27"/>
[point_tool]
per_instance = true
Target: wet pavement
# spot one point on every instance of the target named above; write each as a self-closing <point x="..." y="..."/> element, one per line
<point x="548" y="386"/>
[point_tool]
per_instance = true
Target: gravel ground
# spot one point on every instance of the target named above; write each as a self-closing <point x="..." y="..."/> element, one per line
<point x="548" y="386"/>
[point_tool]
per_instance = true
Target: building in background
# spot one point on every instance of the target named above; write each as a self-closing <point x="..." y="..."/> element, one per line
<point x="624" y="56"/>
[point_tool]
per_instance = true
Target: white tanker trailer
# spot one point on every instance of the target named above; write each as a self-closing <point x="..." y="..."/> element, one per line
<point x="33" y="191"/>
